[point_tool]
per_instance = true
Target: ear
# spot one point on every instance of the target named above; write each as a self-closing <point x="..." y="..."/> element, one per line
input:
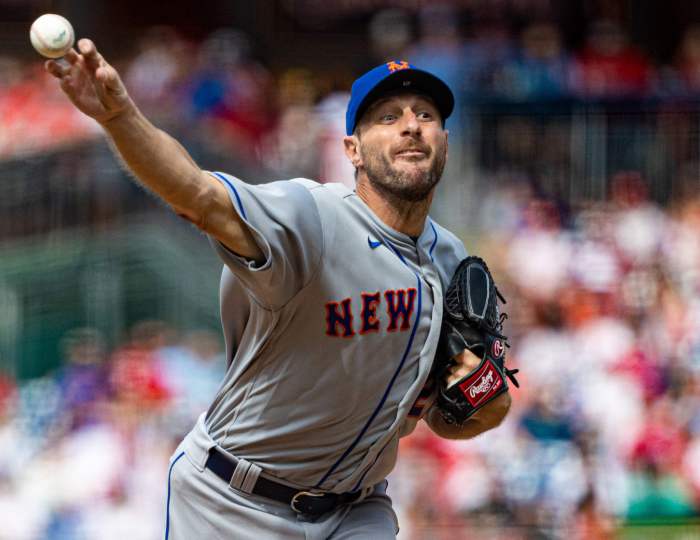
<point x="352" y="150"/>
<point x="447" y="144"/>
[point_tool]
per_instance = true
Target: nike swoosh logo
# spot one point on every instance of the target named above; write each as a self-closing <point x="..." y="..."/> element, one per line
<point x="373" y="245"/>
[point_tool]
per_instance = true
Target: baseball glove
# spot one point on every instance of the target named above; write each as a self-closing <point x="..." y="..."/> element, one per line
<point x="471" y="320"/>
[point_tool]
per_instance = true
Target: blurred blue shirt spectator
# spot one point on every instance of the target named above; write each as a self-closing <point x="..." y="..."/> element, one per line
<point x="539" y="69"/>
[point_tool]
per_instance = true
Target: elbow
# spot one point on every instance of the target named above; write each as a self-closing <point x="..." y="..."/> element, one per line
<point x="210" y="209"/>
<point x="198" y="206"/>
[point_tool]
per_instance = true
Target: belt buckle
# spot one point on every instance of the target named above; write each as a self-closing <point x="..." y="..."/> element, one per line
<point x="294" y="501"/>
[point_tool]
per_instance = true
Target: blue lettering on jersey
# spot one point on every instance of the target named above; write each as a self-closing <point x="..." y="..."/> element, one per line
<point x="400" y="304"/>
<point x="335" y="319"/>
<point x="368" y="315"/>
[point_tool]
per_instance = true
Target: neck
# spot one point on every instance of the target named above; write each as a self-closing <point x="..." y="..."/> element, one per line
<point x="407" y="217"/>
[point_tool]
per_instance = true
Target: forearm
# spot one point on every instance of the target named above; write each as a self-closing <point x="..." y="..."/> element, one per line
<point x="468" y="430"/>
<point x="159" y="162"/>
<point x="488" y="417"/>
<point x="164" y="166"/>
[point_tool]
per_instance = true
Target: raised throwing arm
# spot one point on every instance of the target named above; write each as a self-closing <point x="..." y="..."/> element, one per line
<point x="158" y="161"/>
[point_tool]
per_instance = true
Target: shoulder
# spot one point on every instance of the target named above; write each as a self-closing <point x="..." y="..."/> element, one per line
<point x="275" y="206"/>
<point x="328" y="191"/>
<point x="330" y="198"/>
<point x="294" y="184"/>
<point x="295" y="187"/>
<point x="292" y="193"/>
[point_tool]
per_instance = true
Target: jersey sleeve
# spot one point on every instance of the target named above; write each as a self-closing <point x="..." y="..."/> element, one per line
<point x="285" y="223"/>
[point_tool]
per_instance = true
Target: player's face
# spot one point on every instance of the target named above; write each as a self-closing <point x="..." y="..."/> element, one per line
<point x="403" y="146"/>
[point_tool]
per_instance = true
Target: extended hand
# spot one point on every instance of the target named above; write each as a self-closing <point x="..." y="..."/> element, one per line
<point x="90" y="83"/>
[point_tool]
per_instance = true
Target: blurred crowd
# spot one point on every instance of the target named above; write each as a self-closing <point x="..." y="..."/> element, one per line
<point x="211" y="94"/>
<point x="85" y="448"/>
<point x="603" y="286"/>
<point x="256" y="109"/>
<point x="604" y="306"/>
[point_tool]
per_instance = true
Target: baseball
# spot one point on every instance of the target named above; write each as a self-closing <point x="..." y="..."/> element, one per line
<point x="52" y="35"/>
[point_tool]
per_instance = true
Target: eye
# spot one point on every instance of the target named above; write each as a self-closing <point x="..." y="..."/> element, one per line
<point x="425" y="115"/>
<point x="388" y="117"/>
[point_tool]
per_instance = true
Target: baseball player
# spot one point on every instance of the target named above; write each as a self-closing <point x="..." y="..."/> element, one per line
<point x="331" y="307"/>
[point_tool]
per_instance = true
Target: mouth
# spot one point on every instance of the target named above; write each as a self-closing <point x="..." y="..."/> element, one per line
<point x="411" y="153"/>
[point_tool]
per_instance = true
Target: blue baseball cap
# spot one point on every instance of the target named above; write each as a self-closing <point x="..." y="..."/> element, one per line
<point x="396" y="75"/>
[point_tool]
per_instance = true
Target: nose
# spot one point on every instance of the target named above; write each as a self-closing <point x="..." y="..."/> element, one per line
<point x="411" y="125"/>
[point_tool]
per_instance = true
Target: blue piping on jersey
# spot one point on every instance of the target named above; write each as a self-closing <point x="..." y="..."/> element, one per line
<point x="376" y="458"/>
<point x="393" y="378"/>
<point x="235" y="192"/>
<point x="392" y="248"/>
<point x="432" y="246"/>
<point x="167" y="504"/>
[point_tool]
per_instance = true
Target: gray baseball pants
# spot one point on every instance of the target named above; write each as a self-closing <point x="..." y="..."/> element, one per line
<point x="200" y="505"/>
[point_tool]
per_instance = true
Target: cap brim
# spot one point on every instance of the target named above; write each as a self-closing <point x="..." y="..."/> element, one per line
<point x="411" y="80"/>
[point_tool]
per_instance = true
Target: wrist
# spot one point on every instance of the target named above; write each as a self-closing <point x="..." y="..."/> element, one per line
<point x="117" y="119"/>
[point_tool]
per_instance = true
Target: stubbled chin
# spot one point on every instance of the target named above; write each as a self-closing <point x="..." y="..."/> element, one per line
<point x="411" y="167"/>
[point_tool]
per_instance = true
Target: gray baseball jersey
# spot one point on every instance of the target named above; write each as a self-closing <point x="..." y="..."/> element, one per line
<point x="331" y="339"/>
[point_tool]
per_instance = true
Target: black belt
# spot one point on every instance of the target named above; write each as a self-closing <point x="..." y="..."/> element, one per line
<point x="302" y="502"/>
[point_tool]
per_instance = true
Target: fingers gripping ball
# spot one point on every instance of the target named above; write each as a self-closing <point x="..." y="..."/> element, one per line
<point x="52" y="35"/>
<point x="472" y="321"/>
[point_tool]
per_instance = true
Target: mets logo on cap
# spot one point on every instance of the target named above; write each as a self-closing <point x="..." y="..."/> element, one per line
<point x="396" y="66"/>
<point x="391" y="76"/>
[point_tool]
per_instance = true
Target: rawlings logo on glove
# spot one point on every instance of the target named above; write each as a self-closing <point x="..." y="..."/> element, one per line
<point x="472" y="321"/>
<point x="483" y="385"/>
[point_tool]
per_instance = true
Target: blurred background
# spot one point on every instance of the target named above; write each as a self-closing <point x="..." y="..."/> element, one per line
<point x="574" y="170"/>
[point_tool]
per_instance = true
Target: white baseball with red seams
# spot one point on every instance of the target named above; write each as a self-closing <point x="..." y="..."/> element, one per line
<point x="52" y="35"/>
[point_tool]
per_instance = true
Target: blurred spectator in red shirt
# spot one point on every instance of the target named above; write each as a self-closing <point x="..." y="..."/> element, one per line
<point x="609" y="66"/>
<point x="34" y="114"/>
<point x="8" y="390"/>
<point x="662" y="441"/>
<point x="136" y="372"/>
